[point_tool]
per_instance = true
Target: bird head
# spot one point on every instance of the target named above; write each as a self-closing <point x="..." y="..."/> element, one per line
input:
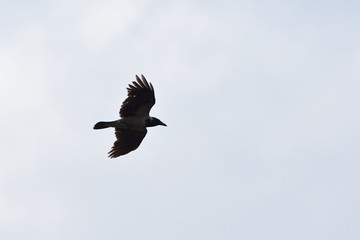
<point x="153" y="121"/>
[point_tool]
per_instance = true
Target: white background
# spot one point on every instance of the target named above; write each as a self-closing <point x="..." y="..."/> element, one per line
<point x="261" y="99"/>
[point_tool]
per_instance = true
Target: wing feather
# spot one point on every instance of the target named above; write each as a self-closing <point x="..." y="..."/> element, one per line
<point x="141" y="98"/>
<point x="146" y="84"/>
<point x="127" y="140"/>
<point x="137" y="85"/>
<point x="141" y="83"/>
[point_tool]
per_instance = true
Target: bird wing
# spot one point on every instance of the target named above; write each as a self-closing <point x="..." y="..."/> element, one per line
<point x="141" y="98"/>
<point x="127" y="140"/>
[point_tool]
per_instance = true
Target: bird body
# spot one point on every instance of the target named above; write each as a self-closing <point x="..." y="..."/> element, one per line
<point x="128" y="123"/>
<point x="130" y="130"/>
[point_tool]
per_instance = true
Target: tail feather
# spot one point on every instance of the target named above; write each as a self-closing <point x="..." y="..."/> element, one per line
<point x="101" y="125"/>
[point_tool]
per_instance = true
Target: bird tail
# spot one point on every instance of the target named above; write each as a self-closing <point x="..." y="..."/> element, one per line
<point x="101" y="125"/>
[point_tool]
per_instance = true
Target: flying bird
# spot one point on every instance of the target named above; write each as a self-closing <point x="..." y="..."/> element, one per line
<point x="130" y="129"/>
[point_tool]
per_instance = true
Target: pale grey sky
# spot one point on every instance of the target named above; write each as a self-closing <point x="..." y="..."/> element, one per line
<point x="261" y="99"/>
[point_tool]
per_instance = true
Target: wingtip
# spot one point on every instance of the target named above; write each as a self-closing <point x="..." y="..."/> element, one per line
<point x="142" y="82"/>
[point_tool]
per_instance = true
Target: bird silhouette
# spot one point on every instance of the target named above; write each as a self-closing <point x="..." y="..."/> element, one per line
<point x="130" y="129"/>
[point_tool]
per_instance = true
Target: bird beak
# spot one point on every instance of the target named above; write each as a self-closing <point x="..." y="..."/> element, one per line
<point x="163" y="124"/>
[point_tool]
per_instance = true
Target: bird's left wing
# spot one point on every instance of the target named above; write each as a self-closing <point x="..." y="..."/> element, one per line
<point x="141" y="98"/>
<point x="127" y="140"/>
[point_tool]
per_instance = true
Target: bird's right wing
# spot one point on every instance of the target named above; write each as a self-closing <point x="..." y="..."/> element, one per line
<point x="141" y="98"/>
<point x="127" y="140"/>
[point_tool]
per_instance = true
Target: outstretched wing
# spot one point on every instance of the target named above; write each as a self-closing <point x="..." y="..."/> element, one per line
<point x="127" y="140"/>
<point x="141" y="98"/>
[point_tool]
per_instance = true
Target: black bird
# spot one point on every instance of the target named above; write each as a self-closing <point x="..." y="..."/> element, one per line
<point x="130" y="130"/>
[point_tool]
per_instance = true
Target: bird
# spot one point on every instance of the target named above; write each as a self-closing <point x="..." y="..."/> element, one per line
<point x="130" y="129"/>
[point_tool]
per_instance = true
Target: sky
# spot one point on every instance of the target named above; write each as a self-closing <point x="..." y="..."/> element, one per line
<point x="261" y="99"/>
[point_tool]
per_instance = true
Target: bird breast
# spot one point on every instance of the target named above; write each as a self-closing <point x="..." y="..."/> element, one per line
<point x="135" y="123"/>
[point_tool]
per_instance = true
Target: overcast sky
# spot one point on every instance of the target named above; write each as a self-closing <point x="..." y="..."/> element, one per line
<point x="261" y="99"/>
